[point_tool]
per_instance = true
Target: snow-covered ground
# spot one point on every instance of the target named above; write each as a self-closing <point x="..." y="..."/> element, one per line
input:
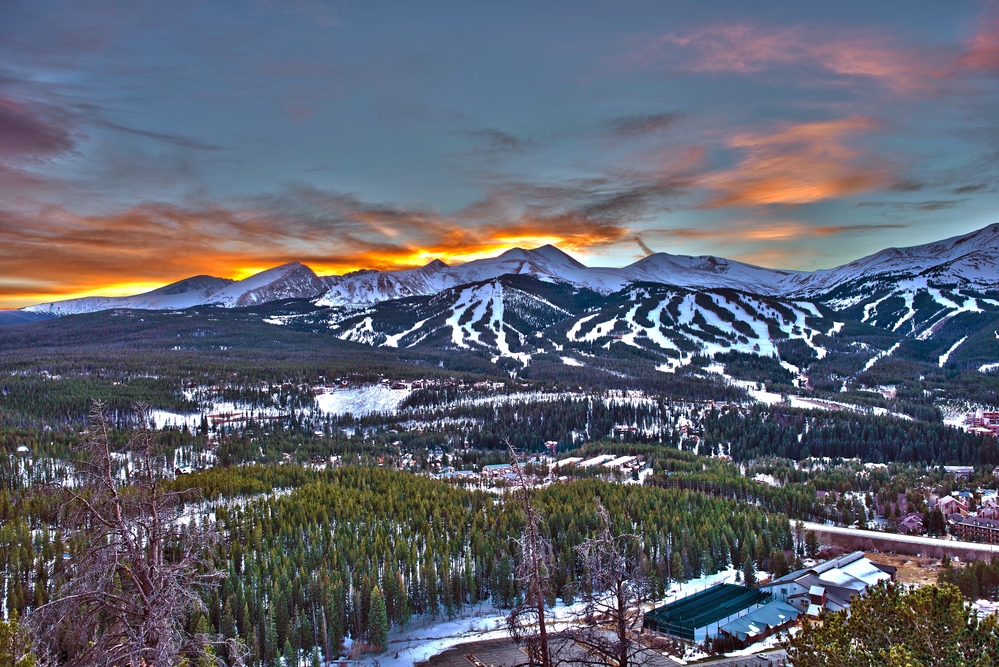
<point x="164" y="419"/>
<point x="983" y="608"/>
<point x="361" y="400"/>
<point x="946" y="355"/>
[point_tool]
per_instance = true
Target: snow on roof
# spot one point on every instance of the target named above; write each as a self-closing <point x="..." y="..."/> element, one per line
<point x="596" y="460"/>
<point x="840" y="578"/>
<point x="816" y="590"/>
<point x="620" y="461"/>
<point x="866" y="571"/>
<point x="814" y="610"/>
<point x="572" y="460"/>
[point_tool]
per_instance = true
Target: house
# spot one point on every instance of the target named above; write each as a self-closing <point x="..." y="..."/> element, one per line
<point x="830" y="585"/>
<point x="496" y="470"/>
<point x="619" y="462"/>
<point x="989" y="509"/>
<point x="566" y="463"/>
<point x="949" y="505"/>
<point x="911" y="524"/>
<point x="959" y="471"/>
<point x="976" y="529"/>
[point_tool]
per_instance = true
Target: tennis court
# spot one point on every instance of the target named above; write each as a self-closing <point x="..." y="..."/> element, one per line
<point x="685" y="618"/>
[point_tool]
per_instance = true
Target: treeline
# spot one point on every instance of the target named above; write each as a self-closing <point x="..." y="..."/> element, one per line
<point x="303" y="563"/>
<point x="68" y="400"/>
<point x="799" y="434"/>
<point x="977" y="580"/>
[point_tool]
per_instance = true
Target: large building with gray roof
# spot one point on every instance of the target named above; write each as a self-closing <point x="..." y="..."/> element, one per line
<point x="829" y="586"/>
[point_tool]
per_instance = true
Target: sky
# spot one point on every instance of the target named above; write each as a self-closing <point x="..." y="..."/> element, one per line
<point x="146" y="142"/>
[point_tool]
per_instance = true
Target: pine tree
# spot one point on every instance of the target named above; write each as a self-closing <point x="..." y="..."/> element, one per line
<point x="928" y="626"/>
<point x="377" y="621"/>
<point x="811" y="544"/>
<point x="749" y="571"/>
<point x="15" y="646"/>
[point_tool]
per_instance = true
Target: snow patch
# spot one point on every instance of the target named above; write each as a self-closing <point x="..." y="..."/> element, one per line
<point x="360" y="401"/>
<point x="946" y="355"/>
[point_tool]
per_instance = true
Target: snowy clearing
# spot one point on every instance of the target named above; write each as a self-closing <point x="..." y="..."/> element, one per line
<point x="361" y="401"/>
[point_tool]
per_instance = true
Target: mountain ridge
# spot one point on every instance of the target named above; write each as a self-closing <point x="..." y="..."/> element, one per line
<point x="968" y="261"/>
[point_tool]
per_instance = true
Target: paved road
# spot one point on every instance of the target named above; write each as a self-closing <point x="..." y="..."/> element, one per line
<point x="907" y="539"/>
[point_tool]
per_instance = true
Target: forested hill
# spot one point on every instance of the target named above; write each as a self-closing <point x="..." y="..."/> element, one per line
<point x="302" y="564"/>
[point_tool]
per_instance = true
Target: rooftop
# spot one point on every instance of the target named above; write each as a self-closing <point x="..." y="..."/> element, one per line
<point x="771" y="615"/>
<point x="705" y="607"/>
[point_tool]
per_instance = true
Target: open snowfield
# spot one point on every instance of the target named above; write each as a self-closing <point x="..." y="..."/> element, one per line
<point x="163" y="419"/>
<point x="360" y="401"/>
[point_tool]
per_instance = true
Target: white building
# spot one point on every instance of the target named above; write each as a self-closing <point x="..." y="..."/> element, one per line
<point x="830" y="585"/>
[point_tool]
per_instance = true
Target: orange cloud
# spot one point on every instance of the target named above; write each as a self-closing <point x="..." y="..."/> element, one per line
<point x="797" y="164"/>
<point x="55" y="254"/>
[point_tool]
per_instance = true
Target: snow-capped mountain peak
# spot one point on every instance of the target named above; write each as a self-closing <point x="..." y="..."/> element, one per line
<point x="293" y="280"/>
<point x="181" y="294"/>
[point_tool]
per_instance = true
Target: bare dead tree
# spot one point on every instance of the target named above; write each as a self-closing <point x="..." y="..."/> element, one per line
<point x="140" y="573"/>
<point x="615" y="586"/>
<point x="526" y="620"/>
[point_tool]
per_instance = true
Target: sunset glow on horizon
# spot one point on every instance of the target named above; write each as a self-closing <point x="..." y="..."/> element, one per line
<point x="145" y="144"/>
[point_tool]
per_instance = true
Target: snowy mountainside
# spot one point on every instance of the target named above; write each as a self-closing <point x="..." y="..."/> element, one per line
<point x="681" y="324"/>
<point x="546" y="263"/>
<point x="970" y="260"/>
<point x="942" y="297"/>
<point x="516" y="317"/>
<point x="883" y="283"/>
<point x="502" y="316"/>
<point x="288" y="281"/>
<point x="551" y="264"/>
<point x="182" y="294"/>
<point x="708" y="272"/>
<point x="916" y="307"/>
